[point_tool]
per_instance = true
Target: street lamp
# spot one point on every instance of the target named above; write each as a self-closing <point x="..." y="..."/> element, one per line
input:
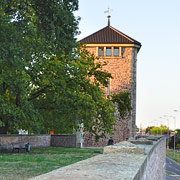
<point x="174" y="132"/>
<point x="177" y="111"/>
<point x="165" y="117"/>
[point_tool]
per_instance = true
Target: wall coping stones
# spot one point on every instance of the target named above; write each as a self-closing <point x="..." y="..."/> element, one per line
<point x="153" y="138"/>
<point x="14" y="135"/>
<point x="142" y="141"/>
<point x="110" y="166"/>
<point x="124" y="147"/>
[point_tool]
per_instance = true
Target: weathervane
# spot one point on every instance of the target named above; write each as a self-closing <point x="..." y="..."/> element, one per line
<point x="108" y="11"/>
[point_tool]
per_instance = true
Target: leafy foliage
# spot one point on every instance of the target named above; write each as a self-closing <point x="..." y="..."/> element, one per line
<point x="124" y="103"/>
<point x="30" y="32"/>
<point x="76" y="98"/>
<point x="45" y="76"/>
<point x="157" y="130"/>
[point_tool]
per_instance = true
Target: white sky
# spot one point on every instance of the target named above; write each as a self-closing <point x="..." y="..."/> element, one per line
<point x="156" y="24"/>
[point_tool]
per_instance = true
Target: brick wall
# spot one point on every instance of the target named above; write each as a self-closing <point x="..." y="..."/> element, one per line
<point x="36" y="141"/>
<point x="63" y="140"/>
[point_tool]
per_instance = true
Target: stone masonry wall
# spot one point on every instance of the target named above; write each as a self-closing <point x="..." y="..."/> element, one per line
<point x="63" y="140"/>
<point x="123" y="71"/>
<point x="120" y="69"/>
<point x="156" y="159"/>
<point x="36" y="141"/>
<point x="133" y="93"/>
<point x="141" y="159"/>
<point x="121" y="132"/>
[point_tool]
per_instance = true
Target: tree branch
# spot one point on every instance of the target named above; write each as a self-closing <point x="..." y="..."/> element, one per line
<point x="38" y="93"/>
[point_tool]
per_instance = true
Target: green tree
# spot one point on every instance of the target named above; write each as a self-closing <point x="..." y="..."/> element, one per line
<point x="45" y="77"/>
<point x="137" y="129"/>
<point x="123" y="101"/>
<point x="158" y="130"/>
<point x="76" y="98"/>
<point x="31" y="32"/>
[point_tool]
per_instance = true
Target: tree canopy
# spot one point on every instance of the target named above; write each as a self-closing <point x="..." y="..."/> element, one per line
<point x="45" y="76"/>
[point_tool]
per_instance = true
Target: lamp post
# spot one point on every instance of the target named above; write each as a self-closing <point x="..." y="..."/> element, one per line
<point x="165" y="117"/>
<point x="177" y="111"/>
<point x="174" y="132"/>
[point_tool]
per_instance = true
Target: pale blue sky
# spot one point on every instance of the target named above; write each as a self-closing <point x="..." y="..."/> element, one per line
<point x="156" y="24"/>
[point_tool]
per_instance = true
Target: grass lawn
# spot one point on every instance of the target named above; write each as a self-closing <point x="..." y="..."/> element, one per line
<point x="170" y="154"/>
<point x="18" y="166"/>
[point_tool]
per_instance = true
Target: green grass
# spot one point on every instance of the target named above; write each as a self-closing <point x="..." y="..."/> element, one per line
<point x="170" y="154"/>
<point x="170" y="173"/>
<point x="19" y="166"/>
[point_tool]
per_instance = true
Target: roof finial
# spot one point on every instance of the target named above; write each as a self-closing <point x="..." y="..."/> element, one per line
<point x="109" y="20"/>
<point x="108" y="11"/>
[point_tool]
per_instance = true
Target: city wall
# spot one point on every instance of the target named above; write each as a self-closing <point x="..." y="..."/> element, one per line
<point x="7" y="142"/>
<point x="141" y="159"/>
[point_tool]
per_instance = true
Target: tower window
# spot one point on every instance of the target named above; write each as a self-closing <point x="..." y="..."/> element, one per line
<point x="108" y="88"/>
<point x="122" y="51"/>
<point x="108" y="51"/>
<point x="116" y="51"/>
<point x="101" y="51"/>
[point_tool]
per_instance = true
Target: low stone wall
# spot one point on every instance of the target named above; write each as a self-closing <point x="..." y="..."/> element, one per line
<point x="36" y="141"/>
<point x="63" y="140"/>
<point x="153" y="166"/>
<point x="141" y="159"/>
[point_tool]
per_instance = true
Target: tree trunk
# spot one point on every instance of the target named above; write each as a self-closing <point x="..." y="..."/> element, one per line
<point x="3" y="130"/>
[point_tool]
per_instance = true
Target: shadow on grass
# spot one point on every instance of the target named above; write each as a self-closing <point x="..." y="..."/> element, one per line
<point x="22" y="165"/>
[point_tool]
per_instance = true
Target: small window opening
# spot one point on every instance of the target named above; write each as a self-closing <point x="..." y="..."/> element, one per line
<point x="108" y="51"/>
<point x="122" y="51"/>
<point x="108" y="88"/>
<point x="101" y="52"/>
<point x="116" y="51"/>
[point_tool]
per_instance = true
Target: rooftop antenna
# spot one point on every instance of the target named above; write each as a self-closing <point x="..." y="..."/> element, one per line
<point x="108" y="11"/>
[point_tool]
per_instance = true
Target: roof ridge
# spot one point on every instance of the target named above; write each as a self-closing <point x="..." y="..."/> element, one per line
<point x="130" y="39"/>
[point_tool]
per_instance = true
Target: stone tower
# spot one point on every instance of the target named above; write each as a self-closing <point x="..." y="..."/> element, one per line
<point x="120" y="53"/>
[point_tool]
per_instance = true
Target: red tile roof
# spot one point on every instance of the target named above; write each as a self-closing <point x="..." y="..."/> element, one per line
<point x="109" y="35"/>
